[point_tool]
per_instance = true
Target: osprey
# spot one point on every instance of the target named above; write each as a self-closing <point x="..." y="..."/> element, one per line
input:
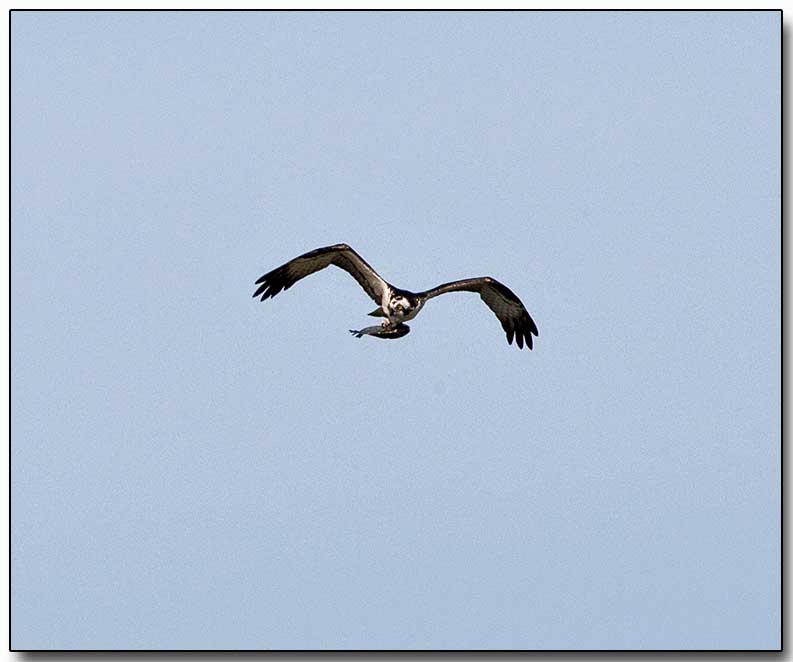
<point x="395" y="304"/>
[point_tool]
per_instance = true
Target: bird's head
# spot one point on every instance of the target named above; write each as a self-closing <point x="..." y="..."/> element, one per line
<point x="400" y="305"/>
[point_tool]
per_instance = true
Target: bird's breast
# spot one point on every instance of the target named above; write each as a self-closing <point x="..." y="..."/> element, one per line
<point x="410" y="313"/>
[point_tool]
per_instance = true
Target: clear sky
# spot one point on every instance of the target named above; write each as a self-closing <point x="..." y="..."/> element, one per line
<point x="195" y="469"/>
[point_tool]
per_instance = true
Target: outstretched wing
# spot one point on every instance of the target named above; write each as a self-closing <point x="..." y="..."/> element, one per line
<point x="340" y="255"/>
<point x="501" y="300"/>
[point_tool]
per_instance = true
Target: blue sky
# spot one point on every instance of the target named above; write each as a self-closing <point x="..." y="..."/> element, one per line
<point x="195" y="469"/>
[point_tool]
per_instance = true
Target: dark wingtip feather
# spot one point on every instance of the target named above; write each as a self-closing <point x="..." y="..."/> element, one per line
<point x="533" y="326"/>
<point x="272" y="283"/>
<point x="529" y="329"/>
<point x="522" y="329"/>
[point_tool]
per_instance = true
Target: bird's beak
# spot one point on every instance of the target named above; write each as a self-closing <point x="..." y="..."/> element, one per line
<point x="377" y="312"/>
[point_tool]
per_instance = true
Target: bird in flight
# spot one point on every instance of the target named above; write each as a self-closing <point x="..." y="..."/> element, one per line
<point x="398" y="306"/>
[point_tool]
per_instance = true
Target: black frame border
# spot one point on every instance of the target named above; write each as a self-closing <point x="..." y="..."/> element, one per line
<point x="783" y="154"/>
